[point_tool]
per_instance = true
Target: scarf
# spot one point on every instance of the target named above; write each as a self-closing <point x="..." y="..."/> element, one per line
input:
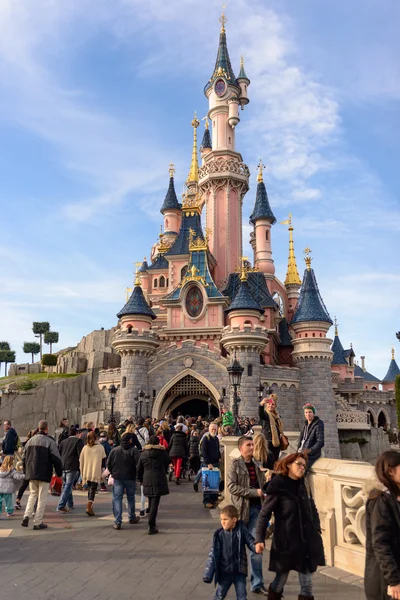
<point x="276" y="427"/>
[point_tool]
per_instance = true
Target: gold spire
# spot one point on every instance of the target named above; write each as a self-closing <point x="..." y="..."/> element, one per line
<point x="137" y="276"/>
<point x="392" y="353"/>
<point x="243" y="272"/>
<point x="260" y="168"/>
<point x="336" y="327"/>
<point x="193" y="176"/>
<point x="205" y="119"/>
<point x="292" y="274"/>
<point x="223" y="19"/>
<point x="308" y="258"/>
<point x="171" y="169"/>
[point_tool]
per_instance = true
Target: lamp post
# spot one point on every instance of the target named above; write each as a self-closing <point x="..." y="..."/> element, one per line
<point x="209" y="409"/>
<point x="141" y="395"/>
<point x="235" y="371"/>
<point x="147" y="400"/>
<point x="112" y="390"/>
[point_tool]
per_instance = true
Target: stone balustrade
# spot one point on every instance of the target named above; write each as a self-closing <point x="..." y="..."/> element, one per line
<point x="352" y="419"/>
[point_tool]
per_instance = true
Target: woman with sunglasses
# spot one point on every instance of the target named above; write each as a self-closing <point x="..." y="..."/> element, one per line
<point x="297" y="542"/>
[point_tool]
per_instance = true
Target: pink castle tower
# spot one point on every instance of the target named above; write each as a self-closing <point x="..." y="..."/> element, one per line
<point x="223" y="177"/>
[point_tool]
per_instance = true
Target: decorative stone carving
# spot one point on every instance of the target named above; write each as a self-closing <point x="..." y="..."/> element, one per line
<point x="188" y="362"/>
<point x="351" y="416"/>
<point x="353" y="515"/>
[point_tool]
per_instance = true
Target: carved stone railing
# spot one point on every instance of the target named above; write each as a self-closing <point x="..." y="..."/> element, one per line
<point x="222" y="166"/>
<point x="352" y="419"/>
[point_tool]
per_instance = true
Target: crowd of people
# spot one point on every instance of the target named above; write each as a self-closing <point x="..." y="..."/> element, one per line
<point x="268" y="491"/>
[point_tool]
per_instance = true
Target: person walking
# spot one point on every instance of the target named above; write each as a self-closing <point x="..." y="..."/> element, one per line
<point x="312" y="436"/>
<point x="152" y="474"/>
<point x="227" y="560"/>
<point x="194" y="452"/>
<point x="382" y="564"/>
<point x="103" y="439"/>
<point x="122" y="466"/>
<point x="70" y="451"/>
<point x="272" y="426"/>
<point x="297" y="542"/>
<point x="9" y="481"/>
<point x="41" y="456"/>
<point x="25" y="483"/>
<point x="90" y="461"/>
<point x="210" y="457"/>
<point x="10" y="441"/>
<point x="178" y="451"/>
<point x="113" y="435"/>
<point x="62" y="432"/>
<point x="244" y="482"/>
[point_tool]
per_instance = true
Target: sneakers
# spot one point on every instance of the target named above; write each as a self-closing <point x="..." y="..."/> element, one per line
<point x="117" y="526"/>
<point x="134" y="521"/>
<point x="261" y="591"/>
<point x="18" y="505"/>
<point x="196" y="486"/>
<point x="209" y="505"/>
<point x="63" y="510"/>
<point x="142" y="513"/>
<point x="41" y="526"/>
<point x="25" y="522"/>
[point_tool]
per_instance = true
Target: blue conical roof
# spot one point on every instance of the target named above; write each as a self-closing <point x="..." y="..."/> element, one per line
<point x="392" y="373"/>
<point x="310" y="307"/>
<point x="262" y="208"/>
<point x="206" y="141"/>
<point x="223" y="67"/>
<point x="170" y="201"/>
<point x="244" y="300"/>
<point x="258" y="286"/>
<point x="242" y="73"/>
<point x="285" y="337"/>
<point x="144" y="266"/>
<point x="160" y="264"/>
<point x="190" y="221"/>
<point x="358" y="372"/>
<point x="136" y="305"/>
<point x="338" y="352"/>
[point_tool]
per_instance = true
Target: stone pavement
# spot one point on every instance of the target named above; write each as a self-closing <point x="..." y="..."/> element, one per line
<point x="81" y="555"/>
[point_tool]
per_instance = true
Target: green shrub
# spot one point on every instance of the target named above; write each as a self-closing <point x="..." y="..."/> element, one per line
<point x="355" y="440"/>
<point x="26" y="384"/>
<point x="49" y="360"/>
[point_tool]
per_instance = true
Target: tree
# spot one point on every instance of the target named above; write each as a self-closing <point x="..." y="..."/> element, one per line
<point x="9" y="358"/>
<point x="39" y="329"/>
<point x="31" y="348"/>
<point x="4" y="346"/>
<point x="49" y="360"/>
<point x="5" y="355"/>
<point x="397" y="389"/>
<point x="51" y="337"/>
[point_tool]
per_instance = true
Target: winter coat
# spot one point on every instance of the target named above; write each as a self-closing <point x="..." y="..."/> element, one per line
<point x="121" y="462"/>
<point x="209" y="449"/>
<point x="41" y="455"/>
<point x="265" y="423"/>
<point x="228" y="553"/>
<point x="194" y="445"/>
<point x="297" y="542"/>
<point x="10" y="442"/>
<point x="10" y="481"/>
<point x="70" y="450"/>
<point x="62" y="433"/>
<point x="382" y="564"/>
<point x="315" y="439"/>
<point x="178" y="446"/>
<point x="238" y="484"/>
<point x="152" y="470"/>
<point x="142" y="435"/>
<point x="90" y="463"/>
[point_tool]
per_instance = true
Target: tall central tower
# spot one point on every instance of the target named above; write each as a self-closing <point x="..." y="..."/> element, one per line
<point x="223" y="177"/>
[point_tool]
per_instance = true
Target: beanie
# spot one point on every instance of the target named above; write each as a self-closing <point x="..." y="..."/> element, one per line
<point x="309" y="406"/>
<point x="227" y="419"/>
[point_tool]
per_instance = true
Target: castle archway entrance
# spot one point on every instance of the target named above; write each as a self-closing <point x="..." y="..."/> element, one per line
<point x="191" y="394"/>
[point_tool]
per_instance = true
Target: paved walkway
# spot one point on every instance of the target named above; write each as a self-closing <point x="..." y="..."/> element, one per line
<point x="84" y="556"/>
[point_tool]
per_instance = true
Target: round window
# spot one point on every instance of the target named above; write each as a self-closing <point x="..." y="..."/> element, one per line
<point x="194" y="302"/>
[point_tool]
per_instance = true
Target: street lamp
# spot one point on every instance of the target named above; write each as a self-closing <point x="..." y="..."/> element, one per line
<point x="112" y="390"/>
<point x="147" y="400"/>
<point x="235" y="371"/>
<point x="141" y="395"/>
<point x="209" y="409"/>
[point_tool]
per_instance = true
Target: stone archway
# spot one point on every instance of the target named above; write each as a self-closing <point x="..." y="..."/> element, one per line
<point x="383" y="419"/>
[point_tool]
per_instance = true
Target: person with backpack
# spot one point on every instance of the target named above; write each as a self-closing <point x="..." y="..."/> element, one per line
<point x="121" y="464"/>
<point x="10" y="441"/>
<point x="178" y="450"/>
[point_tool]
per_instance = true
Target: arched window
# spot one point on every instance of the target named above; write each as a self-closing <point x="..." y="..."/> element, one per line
<point x="155" y="284"/>
<point x="249" y="370"/>
<point x="247" y="323"/>
<point x="123" y="384"/>
<point x="162" y="281"/>
<point x="129" y="329"/>
<point x="183" y="271"/>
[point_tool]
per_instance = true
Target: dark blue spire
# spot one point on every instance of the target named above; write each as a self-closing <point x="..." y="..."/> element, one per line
<point x="393" y="371"/>
<point x="262" y="208"/>
<point x="136" y="305"/>
<point x="311" y="307"/>
<point x="338" y="352"/>
<point x="170" y="201"/>
<point x="190" y="220"/>
<point x="223" y="67"/>
<point x="206" y="141"/>
<point x="144" y="266"/>
<point x="244" y="300"/>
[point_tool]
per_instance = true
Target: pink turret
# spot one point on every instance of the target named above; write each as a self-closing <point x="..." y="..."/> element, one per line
<point x="262" y="218"/>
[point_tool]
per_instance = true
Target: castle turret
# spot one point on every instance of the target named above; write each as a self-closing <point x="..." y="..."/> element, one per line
<point x="262" y="218"/>
<point x="313" y="356"/>
<point x="206" y="144"/>
<point x="171" y="209"/>
<point x="244" y="82"/>
<point x="292" y="281"/>
<point x="389" y="380"/>
<point x="135" y="343"/>
<point x="342" y="360"/>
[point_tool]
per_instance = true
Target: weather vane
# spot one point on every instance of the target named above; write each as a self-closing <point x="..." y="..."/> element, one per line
<point x="171" y="169"/>
<point x="308" y="258"/>
<point x="223" y="19"/>
<point x="260" y="168"/>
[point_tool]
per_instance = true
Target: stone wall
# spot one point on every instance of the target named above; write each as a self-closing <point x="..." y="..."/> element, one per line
<point x="285" y="382"/>
<point x="94" y="351"/>
<point x="24" y="369"/>
<point x="377" y="442"/>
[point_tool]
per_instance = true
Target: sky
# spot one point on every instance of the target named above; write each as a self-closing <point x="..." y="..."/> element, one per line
<point x="96" y="98"/>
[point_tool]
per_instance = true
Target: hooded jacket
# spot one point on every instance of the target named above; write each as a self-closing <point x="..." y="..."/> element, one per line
<point x="178" y="446"/>
<point x="121" y="461"/>
<point x="10" y="481"/>
<point x="297" y="542"/>
<point x="152" y="470"/>
<point x="41" y="455"/>
<point x="315" y="438"/>
<point x="9" y="443"/>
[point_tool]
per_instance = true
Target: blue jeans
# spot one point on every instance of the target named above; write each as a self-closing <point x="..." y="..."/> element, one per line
<point x="256" y="576"/>
<point x="238" y="580"/>
<point x="66" y="497"/>
<point x="129" y="485"/>
<point x="305" y="580"/>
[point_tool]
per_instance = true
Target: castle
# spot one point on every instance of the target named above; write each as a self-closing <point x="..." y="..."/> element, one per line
<point x="198" y="302"/>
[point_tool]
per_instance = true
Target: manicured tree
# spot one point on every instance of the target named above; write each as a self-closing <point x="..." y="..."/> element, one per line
<point x="51" y="337"/>
<point x="397" y="388"/>
<point x="49" y="360"/>
<point x="39" y="329"/>
<point x="9" y="358"/>
<point x="31" y="348"/>
<point x="4" y="348"/>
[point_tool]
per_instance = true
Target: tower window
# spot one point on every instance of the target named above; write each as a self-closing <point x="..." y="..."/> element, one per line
<point x="162" y="281"/>
<point x="129" y="328"/>
<point x="249" y="370"/>
<point x="229" y="140"/>
<point x="155" y="283"/>
<point x="267" y="235"/>
<point x="123" y="382"/>
<point x="183" y="271"/>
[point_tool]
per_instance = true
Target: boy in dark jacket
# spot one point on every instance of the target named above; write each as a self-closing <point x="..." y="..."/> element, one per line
<point x="227" y="560"/>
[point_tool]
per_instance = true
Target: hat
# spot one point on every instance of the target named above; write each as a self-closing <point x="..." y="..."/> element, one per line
<point x="309" y="406"/>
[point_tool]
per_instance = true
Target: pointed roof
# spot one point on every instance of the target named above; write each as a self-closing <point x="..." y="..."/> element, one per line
<point x="393" y="371"/>
<point x="223" y="67"/>
<point x="284" y="334"/>
<point x="310" y="307"/>
<point x="206" y="141"/>
<point x="160" y="264"/>
<point x="242" y="72"/>
<point x="338" y="351"/>
<point x="190" y="220"/>
<point x="258" y="286"/>
<point x="358" y="372"/>
<point x="144" y="266"/>
<point x="193" y="176"/>
<point x="262" y="208"/>
<point x="292" y="274"/>
<point x="244" y="299"/>
<point x="170" y="200"/>
<point x="136" y="305"/>
<point x="198" y="271"/>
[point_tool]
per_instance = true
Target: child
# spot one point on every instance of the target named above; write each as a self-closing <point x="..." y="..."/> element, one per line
<point x="9" y="483"/>
<point x="227" y="561"/>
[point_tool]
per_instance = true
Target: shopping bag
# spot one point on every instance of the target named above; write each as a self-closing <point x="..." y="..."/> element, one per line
<point x="210" y="479"/>
<point x="56" y="486"/>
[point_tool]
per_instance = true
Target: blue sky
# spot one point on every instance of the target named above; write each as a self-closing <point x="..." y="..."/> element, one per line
<point x="96" y="98"/>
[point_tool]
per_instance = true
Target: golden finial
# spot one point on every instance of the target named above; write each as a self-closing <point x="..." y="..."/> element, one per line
<point x="128" y="293"/>
<point x="308" y="258"/>
<point x="336" y="326"/>
<point x="223" y="19"/>
<point x="260" y="168"/>
<point x="137" y="276"/>
<point x="292" y="274"/>
<point x="392" y="353"/>
<point x="194" y="166"/>
<point x="243" y="272"/>
<point x="205" y="119"/>
<point x="171" y="169"/>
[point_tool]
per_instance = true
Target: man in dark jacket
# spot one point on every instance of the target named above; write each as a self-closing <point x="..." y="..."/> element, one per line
<point x="70" y="449"/>
<point x="41" y="455"/>
<point x="122" y="466"/>
<point x="210" y="457"/>
<point x="312" y="436"/>
<point x="10" y="439"/>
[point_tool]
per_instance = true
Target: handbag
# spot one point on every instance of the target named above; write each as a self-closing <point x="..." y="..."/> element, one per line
<point x="284" y="442"/>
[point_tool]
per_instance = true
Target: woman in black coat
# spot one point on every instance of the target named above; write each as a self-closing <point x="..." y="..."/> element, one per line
<point x="152" y="473"/>
<point x="297" y="542"/>
<point x="178" y="450"/>
<point x="382" y="565"/>
<point x="271" y="423"/>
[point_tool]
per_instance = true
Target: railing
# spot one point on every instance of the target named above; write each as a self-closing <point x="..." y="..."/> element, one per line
<point x="352" y="419"/>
